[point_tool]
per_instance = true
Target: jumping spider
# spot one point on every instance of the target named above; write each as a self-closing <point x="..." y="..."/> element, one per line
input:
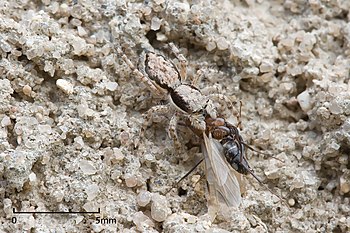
<point x="164" y="78"/>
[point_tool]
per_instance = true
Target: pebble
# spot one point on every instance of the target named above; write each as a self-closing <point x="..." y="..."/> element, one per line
<point x="27" y="90"/>
<point x="304" y="100"/>
<point x="142" y="221"/>
<point x="6" y="121"/>
<point x="87" y="168"/>
<point x="32" y="177"/>
<point x="111" y="86"/>
<point x="155" y="23"/>
<point x="65" y="86"/>
<point x="266" y="66"/>
<point x="291" y="202"/>
<point x="159" y="208"/>
<point x="211" y="45"/>
<point x="334" y="108"/>
<point x="131" y="181"/>
<point x="222" y="43"/>
<point x="92" y="191"/>
<point x="143" y="198"/>
<point x="117" y="155"/>
<point x="344" y="184"/>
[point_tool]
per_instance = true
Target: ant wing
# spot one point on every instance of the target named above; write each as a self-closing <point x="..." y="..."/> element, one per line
<point x="223" y="184"/>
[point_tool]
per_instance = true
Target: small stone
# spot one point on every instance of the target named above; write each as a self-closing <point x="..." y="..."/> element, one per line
<point x="331" y="185"/>
<point x="149" y="157"/>
<point x="79" y="46"/>
<point x="32" y="177"/>
<point x="7" y="206"/>
<point x="78" y="141"/>
<point x="79" y="219"/>
<point x="161" y="37"/>
<point x="75" y="22"/>
<point x="124" y="137"/>
<point x="143" y="198"/>
<point x="334" y="108"/>
<point x="117" y="155"/>
<point x="49" y="68"/>
<point x="210" y="46"/>
<point x="5" y="46"/>
<point x="87" y="168"/>
<point x="291" y="202"/>
<point x="82" y="32"/>
<point x="287" y="43"/>
<point x="345" y="183"/>
<point x="250" y="3"/>
<point x="272" y="173"/>
<point x="111" y="86"/>
<point x="287" y="87"/>
<point x="266" y="66"/>
<point x="304" y="101"/>
<point x="27" y="90"/>
<point x="58" y="195"/>
<point x="191" y="219"/>
<point x="46" y="2"/>
<point x="155" y="23"/>
<point x="222" y="43"/>
<point x="84" y="110"/>
<point x="159" y="208"/>
<point x="90" y="206"/>
<point x="158" y="2"/>
<point x="142" y="221"/>
<point x="334" y="146"/>
<point x="92" y="191"/>
<point x="146" y="10"/>
<point x="267" y="77"/>
<point x="45" y="129"/>
<point x="65" y="86"/>
<point x="16" y="52"/>
<point x="6" y="121"/>
<point x="131" y="181"/>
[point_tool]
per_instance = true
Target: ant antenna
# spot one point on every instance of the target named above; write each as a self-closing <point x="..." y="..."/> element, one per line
<point x="239" y="122"/>
<point x="260" y="152"/>
<point x="266" y="187"/>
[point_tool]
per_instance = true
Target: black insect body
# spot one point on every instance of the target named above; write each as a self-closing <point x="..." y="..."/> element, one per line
<point x="233" y="147"/>
<point x="232" y="143"/>
<point x="234" y="154"/>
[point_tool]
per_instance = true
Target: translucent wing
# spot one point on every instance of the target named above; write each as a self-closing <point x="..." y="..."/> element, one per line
<point x="223" y="185"/>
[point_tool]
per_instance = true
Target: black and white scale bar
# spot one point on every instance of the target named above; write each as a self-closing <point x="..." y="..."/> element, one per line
<point x="54" y="212"/>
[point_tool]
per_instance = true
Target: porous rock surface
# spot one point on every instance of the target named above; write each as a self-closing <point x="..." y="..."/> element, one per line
<point x="71" y="114"/>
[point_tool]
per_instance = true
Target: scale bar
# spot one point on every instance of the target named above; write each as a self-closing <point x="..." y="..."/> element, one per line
<point x="54" y="212"/>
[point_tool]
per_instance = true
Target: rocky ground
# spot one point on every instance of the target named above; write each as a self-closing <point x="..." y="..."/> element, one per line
<point x="71" y="112"/>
